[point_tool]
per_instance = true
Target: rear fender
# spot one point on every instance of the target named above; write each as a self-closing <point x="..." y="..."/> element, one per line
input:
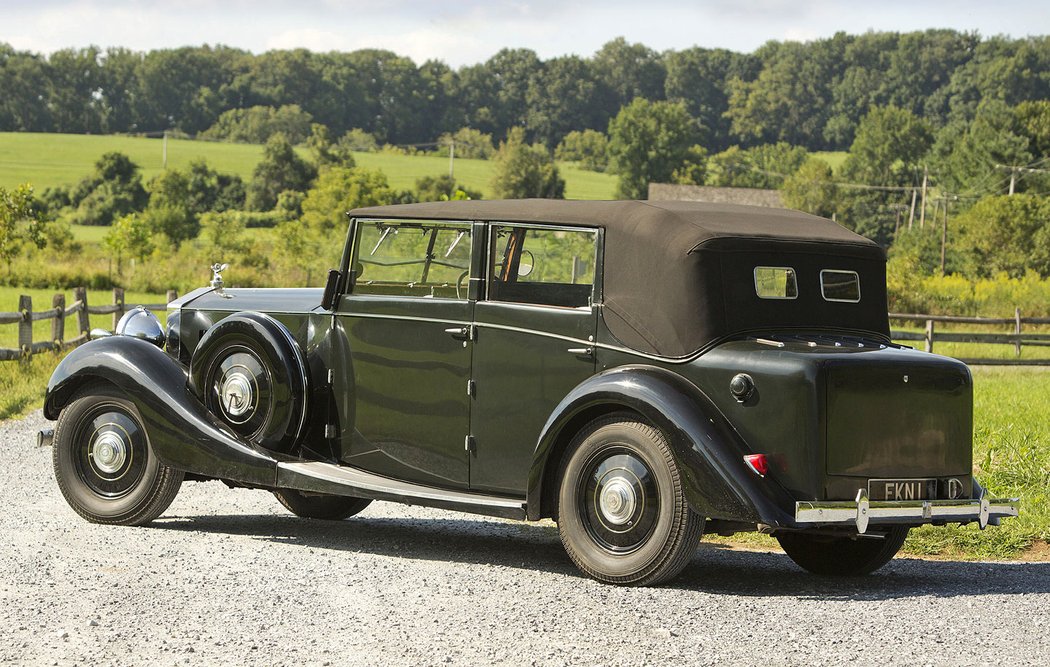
<point x="182" y="432"/>
<point x="707" y="450"/>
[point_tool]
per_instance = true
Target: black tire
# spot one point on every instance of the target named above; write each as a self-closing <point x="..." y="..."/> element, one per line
<point x="103" y="462"/>
<point x="319" y="506"/>
<point x="842" y="556"/>
<point x="249" y="372"/>
<point x="622" y="513"/>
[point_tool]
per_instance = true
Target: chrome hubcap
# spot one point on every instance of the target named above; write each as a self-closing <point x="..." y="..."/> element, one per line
<point x="617" y="501"/>
<point x="109" y="452"/>
<point x="236" y="392"/>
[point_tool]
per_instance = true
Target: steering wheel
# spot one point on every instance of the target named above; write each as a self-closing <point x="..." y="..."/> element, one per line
<point x="459" y="282"/>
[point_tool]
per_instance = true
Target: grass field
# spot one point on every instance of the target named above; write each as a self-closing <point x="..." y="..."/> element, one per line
<point x="833" y="158"/>
<point x="47" y="160"/>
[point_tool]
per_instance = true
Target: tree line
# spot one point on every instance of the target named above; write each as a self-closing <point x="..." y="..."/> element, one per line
<point x="810" y="94"/>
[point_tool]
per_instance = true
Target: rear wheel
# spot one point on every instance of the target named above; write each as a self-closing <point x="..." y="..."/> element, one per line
<point x="103" y="462"/>
<point x="842" y="556"/>
<point x="622" y="513"/>
<point x="320" y="506"/>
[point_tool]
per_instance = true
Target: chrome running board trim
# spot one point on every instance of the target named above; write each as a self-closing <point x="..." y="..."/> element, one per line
<point x="347" y="481"/>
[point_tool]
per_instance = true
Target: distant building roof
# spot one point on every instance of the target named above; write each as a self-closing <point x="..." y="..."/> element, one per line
<point x="714" y="195"/>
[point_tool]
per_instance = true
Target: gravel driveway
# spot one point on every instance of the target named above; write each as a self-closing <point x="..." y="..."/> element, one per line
<point x="226" y="576"/>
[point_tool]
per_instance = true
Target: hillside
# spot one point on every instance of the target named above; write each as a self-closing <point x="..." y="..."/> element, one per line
<point x="47" y="160"/>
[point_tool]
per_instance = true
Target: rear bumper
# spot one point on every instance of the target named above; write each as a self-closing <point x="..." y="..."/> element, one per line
<point x="862" y="512"/>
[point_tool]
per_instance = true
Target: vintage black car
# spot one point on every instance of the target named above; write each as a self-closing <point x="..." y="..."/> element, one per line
<point x="640" y="372"/>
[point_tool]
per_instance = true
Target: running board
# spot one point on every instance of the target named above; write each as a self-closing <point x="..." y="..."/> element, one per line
<point x="346" y="481"/>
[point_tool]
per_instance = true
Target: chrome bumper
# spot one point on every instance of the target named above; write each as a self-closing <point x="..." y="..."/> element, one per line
<point x="861" y="512"/>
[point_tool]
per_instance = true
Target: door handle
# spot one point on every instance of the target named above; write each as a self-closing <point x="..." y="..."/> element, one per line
<point x="582" y="351"/>
<point x="459" y="333"/>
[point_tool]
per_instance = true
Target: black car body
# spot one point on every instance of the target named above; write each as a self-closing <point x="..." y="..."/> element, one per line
<point x="639" y="372"/>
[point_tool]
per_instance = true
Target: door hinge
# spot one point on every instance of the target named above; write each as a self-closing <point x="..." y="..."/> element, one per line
<point x="470" y="444"/>
<point x="329" y="431"/>
<point x="331" y="377"/>
<point x="471" y="388"/>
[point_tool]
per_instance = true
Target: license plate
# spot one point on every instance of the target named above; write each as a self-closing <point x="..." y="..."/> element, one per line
<point x="902" y="489"/>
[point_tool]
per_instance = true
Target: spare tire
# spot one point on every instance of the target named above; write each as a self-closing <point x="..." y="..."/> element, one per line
<point x="249" y="371"/>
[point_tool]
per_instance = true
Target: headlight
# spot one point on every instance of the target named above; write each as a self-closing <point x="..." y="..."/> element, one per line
<point x="141" y="323"/>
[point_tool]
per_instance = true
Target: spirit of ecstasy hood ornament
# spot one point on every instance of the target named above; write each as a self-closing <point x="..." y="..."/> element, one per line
<point x="216" y="279"/>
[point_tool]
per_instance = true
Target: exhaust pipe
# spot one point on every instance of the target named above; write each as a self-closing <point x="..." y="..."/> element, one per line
<point x="45" y="437"/>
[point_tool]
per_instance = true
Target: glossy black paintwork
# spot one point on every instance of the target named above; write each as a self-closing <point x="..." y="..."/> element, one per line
<point x="708" y="450"/>
<point x="182" y="432"/>
<point x="522" y="368"/>
<point x="409" y="383"/>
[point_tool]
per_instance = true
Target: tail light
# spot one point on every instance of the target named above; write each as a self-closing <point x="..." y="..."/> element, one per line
<point x="757" y="463"/>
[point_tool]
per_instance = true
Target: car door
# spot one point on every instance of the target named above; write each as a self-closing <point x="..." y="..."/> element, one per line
<point x="405" y="328"/>
<point x="535" y="332"/>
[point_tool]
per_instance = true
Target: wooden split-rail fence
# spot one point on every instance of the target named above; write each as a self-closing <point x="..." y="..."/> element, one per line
<point x="58" y="313"/>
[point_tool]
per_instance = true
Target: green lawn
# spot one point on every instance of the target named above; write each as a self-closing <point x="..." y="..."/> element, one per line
<point x="47" y="160"/>
<point x="833" y="158"/>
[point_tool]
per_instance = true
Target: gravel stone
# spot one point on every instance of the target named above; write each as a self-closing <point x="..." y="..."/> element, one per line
<point x="228" y="577"/>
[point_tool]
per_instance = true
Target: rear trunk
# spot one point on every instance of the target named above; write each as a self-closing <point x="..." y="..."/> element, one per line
<point x="907" y="426"/>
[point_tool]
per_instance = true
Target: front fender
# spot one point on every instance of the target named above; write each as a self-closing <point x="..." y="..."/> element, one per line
<point x="708" y="451"/>
<point x="182" y="432"/>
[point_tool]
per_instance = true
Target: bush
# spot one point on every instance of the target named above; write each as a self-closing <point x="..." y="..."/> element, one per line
<point x="256" y="125"/>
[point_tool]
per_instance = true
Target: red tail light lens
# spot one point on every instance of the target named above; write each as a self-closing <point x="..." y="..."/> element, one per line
<point x="758" y="463"/>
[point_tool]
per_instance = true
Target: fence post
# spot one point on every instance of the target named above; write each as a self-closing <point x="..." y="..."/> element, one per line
<point x="929" y="335"/>
<point x="172" y="295"/>
<point x="118" y="301"/>
<point x="58" y="325"/>
<point x="25" y="327"/>
<point x="83" y="317"/>
<point x="1017" y="330"/>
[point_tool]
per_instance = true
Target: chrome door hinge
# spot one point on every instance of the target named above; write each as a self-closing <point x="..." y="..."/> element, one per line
<point x="470" y="445"/>
<point x="471" y="388"/>
<point x="329" y="431"/>
<point x="331" y="377"/>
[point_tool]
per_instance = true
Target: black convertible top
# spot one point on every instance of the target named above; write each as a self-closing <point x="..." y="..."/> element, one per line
<point x="679" y="275"/>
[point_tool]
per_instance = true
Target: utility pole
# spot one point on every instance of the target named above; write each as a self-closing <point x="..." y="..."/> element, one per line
<point x="944" y="232"/>
<point x="1016" y="169"/>
<point x="164" y="151"/>
<point x="922" y="209"/>
<point x="451" y="157"/>
<point x="911" y="215"/>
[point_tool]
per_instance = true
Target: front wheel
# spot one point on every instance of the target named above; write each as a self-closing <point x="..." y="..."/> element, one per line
<point x="622" y="512"/>
<point x="842" y="556"/>
<point x="103" y="462"/>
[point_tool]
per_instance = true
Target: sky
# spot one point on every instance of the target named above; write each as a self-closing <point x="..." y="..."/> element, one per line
<point x="466" y="32"/>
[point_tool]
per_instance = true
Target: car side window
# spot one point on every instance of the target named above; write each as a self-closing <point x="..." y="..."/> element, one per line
<point x="549" y="267"/>
<point x="421" y="258"/>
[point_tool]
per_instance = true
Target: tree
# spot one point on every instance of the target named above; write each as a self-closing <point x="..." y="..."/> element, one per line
<point x="327" y="152"/>
<point x="442" y="188"/>
<point x="169" y="211"/>
<point x="764" y="166"/>
<point x="888" y="149"/>
<point x="525" y="171"/>
<point x="699" y="77"/>
<point x="811" y="188"/>
<point x="338" y="190"/>
<point x="1006" y="233"/>
<point x="564" y="96"/>
<point x="589" y="148"/>
<point x="257" y="124"/>
<point x="629" y="71"/>
<point x="20" y="222"/>
<point x="965" y="156"/>
<point x="468" y="143"/>
<point x="280" y="169"/>
<point x="648" y="141"/>
<point x="113" y="190"/>
<point x="131" y="234"/>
